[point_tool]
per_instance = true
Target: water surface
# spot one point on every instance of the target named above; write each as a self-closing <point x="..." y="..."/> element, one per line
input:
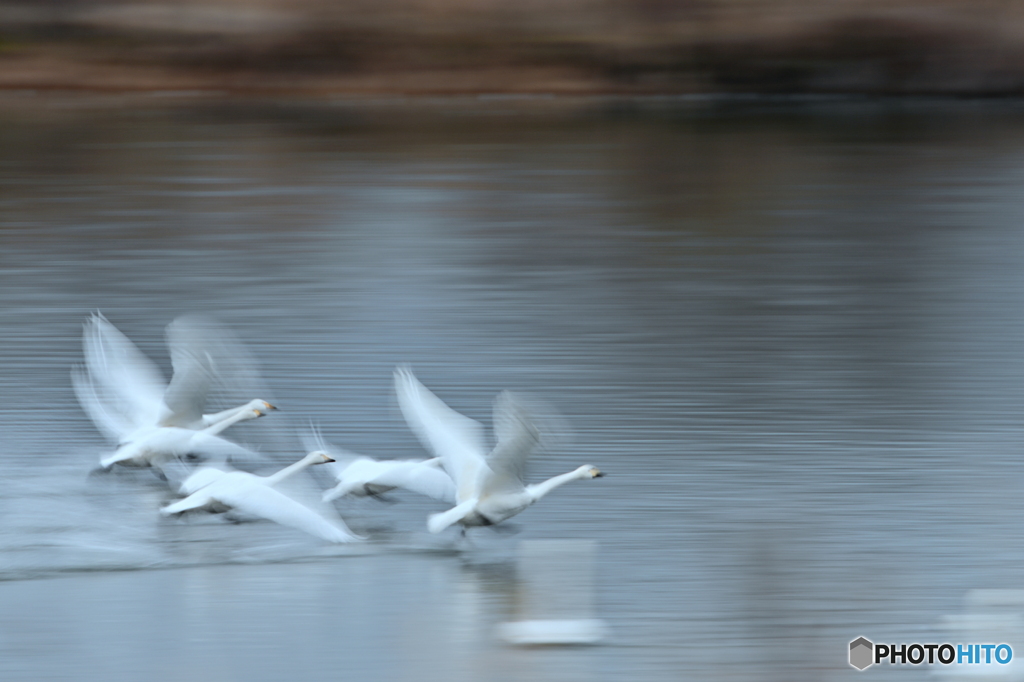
<point x="789" y="333"/>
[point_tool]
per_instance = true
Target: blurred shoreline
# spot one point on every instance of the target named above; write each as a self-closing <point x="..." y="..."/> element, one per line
<point x="447" y="47"/>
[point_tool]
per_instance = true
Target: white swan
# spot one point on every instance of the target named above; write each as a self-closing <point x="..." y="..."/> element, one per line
<point x="152" y="446"/>
<point x="218" y="491"/>
<point x="359" y="476"/>
<point x="126" y="397"/>
<point x="488" y="489"/>
<point x="366" y="477"/>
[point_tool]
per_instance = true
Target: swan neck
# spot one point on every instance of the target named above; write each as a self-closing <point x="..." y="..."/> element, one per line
<point x="217" y="417"/>
<point x="289" y="470"/>
<point x="541" y="489"/>
<point x="217" y="427"/>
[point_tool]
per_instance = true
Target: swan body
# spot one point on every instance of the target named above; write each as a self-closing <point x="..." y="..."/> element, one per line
<point x="217" y="491"/>
<point x="366" y="477"/>
<point x="359" y="476"/>
<point x="492" y="509"/>
<point x="153" y="445"/>
<point x="489" y="487"/>
<point x="125" y="396"/>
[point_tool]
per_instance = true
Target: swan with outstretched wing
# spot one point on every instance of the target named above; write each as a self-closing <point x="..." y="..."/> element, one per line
<point x="490" y="487"/>
<point x="124" y="394"/>
<point x="359" y="476"/>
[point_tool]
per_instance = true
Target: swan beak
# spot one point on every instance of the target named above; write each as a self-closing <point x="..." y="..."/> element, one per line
<point x="268" y="405"/>
<point x="596" y="473"/>
<point x="328" y="459"/>
<point x="258" y="413"/>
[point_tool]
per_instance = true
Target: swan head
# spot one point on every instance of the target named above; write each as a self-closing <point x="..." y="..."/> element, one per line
<point x="260" y="406"/>
<point x="318" y="457"/>
<point x="251" y="412"/>
<point x="588" y="471"/>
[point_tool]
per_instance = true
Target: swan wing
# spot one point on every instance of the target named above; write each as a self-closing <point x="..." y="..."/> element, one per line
<point x="199" y="479"/>
<point x="234" y="373"/>
<point x="343" y="488"/>
<point x="185" y="397"/>
<point x="131" y="383"/>
<point x="417" y="476"/>
<point x="351" y="474"/>
<point x="517" y="438"/>
<point x="253" y="497"/>
<point x="456" y="439"/>
<point x="215" y="448"/>
<point x="314" y="440"/>
<point x="110" y="422"/>
<point x="438" y="522"/>
<point x="197" y="500"/>
<point x="127" y="452"/>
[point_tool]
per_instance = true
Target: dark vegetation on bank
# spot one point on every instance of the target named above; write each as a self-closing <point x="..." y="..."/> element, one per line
<point x="956" y="47"/>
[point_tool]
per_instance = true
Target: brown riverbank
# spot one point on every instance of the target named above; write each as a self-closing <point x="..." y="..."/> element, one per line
<point x="421" y="47"/>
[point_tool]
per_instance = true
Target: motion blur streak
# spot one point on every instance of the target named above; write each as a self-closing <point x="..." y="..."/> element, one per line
<point x="790" y="334"/>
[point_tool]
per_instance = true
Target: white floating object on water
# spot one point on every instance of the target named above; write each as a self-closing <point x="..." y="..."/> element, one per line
<point x="555" y="595"/>
<point x="989" y="616"/>
<point x="538" y="632"/>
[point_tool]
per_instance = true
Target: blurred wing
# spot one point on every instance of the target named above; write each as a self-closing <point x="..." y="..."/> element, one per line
<point x="188" y="341"/>
<point x="235" y="377"/>
<point x="200" y="478"/>
<point x="313" y="441"/>
<point x="457" y="440"/>
<point x="126" y="452"/>
<point x="257" y="499"/>
<point x="130" y="384"/>
<point x="337" y="491"/>
<point x="438" y="522"/>
<point x="217" y="449"/>
<point x="194" y="501"/>
<point x="419" y="477"/>
<point x="114" y="425"/>
<point x="517" y="438"/>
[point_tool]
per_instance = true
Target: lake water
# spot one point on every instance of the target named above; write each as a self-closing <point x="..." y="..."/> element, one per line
<point x="791" y="333"/>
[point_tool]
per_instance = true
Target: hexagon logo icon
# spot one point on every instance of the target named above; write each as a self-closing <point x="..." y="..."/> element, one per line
<point x="862" y="653"/>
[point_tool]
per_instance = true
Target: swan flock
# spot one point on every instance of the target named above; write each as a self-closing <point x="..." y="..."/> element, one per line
<point x="149" y="422"/>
